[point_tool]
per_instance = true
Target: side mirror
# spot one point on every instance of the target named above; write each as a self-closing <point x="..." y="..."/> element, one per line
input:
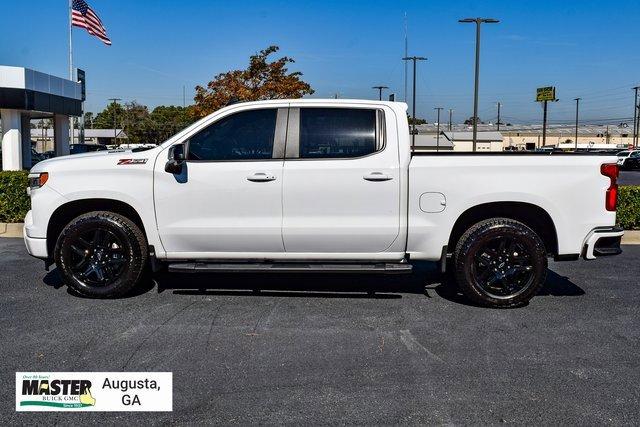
<point x="176" y="159"/>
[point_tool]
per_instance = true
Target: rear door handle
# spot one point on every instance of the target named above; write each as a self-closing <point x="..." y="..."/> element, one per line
<point x="261" y="177"/>
<point x="377" y="176"/>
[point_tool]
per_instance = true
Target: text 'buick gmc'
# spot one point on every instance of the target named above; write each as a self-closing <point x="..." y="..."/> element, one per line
<point x="319" y="186"/>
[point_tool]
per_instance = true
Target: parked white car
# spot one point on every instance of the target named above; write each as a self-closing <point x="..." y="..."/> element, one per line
<point x="319" y="185"/>
<point x="629" y="159"/>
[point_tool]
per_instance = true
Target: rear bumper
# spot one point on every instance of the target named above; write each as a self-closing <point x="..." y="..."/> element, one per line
<point x="603" y="241"/>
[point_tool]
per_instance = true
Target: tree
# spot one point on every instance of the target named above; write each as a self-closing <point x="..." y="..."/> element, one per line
<point x="112" y="114"/>
<point x="469" y="121"/>
<point x="261" y="80"/>
<point x="169" y="120"/>
<point x="142" y="127"/>
<point x="419" y="121"/>
<point x="88" y="119"/>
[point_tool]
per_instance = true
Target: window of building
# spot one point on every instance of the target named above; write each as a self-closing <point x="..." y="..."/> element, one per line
<point x="247" y="135"/>
<point x="339" y="132"/>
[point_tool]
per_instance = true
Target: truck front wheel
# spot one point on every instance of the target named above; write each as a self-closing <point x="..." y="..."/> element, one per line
<point x="101" y="254"/>
<point x="500" y="262"/>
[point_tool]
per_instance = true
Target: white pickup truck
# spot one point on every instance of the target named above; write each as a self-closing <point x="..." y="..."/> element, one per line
<point x="320" y="186"/>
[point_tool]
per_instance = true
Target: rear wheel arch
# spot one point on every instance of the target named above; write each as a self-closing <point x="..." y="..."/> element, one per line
<point x="65" y="213"/>
<point x="531" y="215"/>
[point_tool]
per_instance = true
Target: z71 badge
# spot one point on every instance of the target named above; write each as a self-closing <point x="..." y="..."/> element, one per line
<point x="132" y="161"/>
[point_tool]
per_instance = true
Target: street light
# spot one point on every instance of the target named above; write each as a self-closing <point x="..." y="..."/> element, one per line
<point x="414" y="59"/>
<point x="478" y="22"/>
<point x="380" y="88"/>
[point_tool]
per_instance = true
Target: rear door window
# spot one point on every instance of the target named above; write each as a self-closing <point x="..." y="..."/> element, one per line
<point x="327" y="133"/>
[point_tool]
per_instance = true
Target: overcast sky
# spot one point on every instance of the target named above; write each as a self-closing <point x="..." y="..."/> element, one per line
<point x="585" y="48"/>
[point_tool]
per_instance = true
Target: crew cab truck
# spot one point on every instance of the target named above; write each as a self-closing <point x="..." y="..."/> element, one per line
<point x="318" y="185"/>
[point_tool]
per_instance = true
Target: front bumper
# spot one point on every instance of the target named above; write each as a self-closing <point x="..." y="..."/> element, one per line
<point x="604" y="241"/>
<point x="36" y="246"/>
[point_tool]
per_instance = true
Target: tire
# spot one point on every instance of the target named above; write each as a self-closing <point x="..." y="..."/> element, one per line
<point x="500" y="263"/>
<point x="101" y="254"/>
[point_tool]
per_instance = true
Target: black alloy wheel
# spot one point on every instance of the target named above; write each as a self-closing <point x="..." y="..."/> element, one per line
<point x="101" y="254"/>
<point x="96" y="256"/>
<point x="500" y="262"/>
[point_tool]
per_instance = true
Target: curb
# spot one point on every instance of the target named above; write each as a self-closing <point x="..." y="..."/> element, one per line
<point x="11" y="229"/>
<point x="631" y="237"/>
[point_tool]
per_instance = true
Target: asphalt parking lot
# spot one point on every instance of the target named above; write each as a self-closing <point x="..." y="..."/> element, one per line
<point x="629" y="178"/>
<point x="322" y="349"/>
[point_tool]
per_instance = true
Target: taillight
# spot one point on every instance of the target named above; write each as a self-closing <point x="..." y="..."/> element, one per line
<point x="611" y="170"/>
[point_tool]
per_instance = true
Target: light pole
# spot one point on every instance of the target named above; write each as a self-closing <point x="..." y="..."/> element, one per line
<point x="438" y="109"/>
<point x="380" y="88"/>
<point x="478" y="22"/>
<point x="450" y="116"/>
<point x="413" y="131"/>
<point x="115" y="117"/>
<point x="635" y="117"/>
<point x="498" y="124"/>
<point x="577" y="108"/>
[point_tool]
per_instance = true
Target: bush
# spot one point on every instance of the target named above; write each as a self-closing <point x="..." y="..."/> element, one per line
<point x="629" y="208"/>
<point x="14" y="201"/>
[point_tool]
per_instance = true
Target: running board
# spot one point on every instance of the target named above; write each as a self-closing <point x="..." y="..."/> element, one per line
<point x="205" y="267"/>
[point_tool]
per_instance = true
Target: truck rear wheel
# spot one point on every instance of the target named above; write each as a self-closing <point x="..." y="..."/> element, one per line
<point x="500" y="262"/>
<point x="101" y="254"/>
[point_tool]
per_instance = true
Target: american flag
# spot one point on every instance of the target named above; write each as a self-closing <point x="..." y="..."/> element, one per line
<point x="84" y="17"/>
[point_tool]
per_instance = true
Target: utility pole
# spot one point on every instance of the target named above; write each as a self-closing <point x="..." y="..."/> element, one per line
<point x="577" y="108"/>
<point x="635" y="117"/>
<point x="415" y="59"/>
<point x="544" y="124"/>
<point x="498" y="124"/>
<point x="115" y="118"/>
<point x="380" y="88"/>
<point x="438" y="109"/>
<point x="406" y="53"/>
<point x="450" y="116"/>
<point x="478" y="22"/>
<point x="184" y="98"/>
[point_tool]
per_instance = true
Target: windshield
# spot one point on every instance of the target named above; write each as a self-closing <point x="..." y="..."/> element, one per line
<point x="623" y="154"/>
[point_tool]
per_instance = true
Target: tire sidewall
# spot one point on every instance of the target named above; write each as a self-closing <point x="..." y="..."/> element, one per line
<point x="474" y="241"/>
<point x="131" y="270"/>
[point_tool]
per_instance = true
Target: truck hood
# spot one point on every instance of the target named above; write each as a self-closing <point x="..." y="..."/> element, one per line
<point x="99" y="159"/>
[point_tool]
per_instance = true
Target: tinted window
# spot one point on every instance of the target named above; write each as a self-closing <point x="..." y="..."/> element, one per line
<point x="241" y="136"/>
<point x="337" y="132"/>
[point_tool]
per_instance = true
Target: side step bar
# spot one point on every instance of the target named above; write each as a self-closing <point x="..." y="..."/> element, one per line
<point x="206" y="267"/>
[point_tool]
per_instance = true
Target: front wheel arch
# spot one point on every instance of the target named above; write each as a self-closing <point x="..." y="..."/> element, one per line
<point x="65" y="213"/>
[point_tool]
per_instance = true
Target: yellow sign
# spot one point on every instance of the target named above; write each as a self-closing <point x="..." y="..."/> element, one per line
<point x="546" y="94"/>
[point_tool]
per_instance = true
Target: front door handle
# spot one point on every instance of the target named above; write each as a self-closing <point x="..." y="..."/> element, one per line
<point x="377" y="176"/>
<point x="261" y="177"/>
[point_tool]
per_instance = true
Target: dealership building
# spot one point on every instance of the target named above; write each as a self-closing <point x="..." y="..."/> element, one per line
<point x="26" y="95"/>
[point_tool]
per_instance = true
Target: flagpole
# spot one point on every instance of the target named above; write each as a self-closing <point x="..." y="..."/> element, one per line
<point x="71" y="123"/>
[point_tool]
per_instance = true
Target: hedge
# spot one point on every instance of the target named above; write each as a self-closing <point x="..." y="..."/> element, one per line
<point x="629" y="207"/>
<point x="14" y="202"/>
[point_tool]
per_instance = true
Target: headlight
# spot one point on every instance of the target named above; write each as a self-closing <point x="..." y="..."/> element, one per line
<point x="37" y="180"/>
